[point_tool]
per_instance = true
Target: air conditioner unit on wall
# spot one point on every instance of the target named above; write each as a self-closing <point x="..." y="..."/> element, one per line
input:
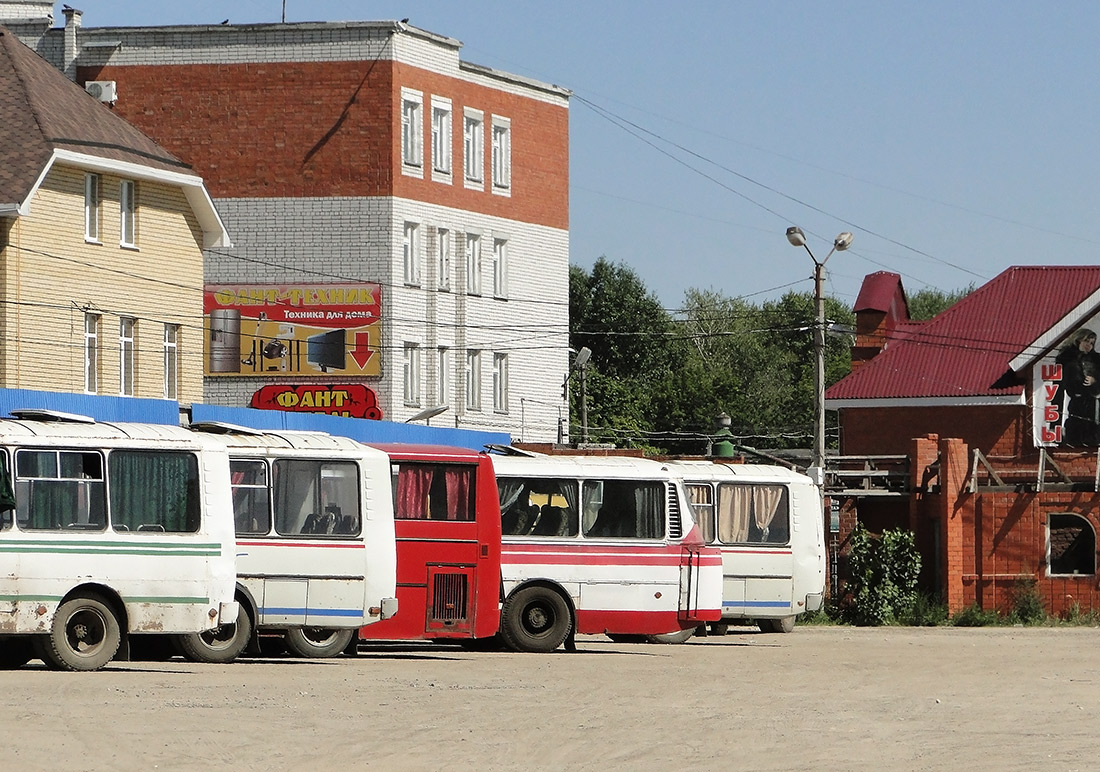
<point x="103" y="90"/>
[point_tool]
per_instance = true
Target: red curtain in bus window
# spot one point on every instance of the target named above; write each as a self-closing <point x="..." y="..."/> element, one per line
<point x="458" y="493"/>
<point x="413" y="483"/>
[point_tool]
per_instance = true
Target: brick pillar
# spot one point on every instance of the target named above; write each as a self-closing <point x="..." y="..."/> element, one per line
<point x="954" y="470"/>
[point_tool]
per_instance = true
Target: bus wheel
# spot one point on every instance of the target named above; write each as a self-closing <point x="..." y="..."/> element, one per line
<point x="317" y="642"/>
<point x="15" y="652"/>
<point x="719" y="628"/>
<point x="677" y="637"/>
<point x="535" y="619"/>
<point x="220" y="645"/>
<point x="85" y="635"/>
<point x="781" y="625"/>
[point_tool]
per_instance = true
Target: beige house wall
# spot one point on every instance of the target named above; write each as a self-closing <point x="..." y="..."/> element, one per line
<point x="50" y="276"/>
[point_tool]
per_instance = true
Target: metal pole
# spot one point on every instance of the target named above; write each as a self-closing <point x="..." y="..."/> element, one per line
<point x="584" y="408"/>
<point x="819" y="371"/>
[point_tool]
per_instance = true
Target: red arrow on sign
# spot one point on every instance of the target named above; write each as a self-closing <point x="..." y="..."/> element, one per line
<point x="362" y="351"/>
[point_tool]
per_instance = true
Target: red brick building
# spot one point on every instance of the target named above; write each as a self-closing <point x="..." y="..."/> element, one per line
<point x="965" y="416"/>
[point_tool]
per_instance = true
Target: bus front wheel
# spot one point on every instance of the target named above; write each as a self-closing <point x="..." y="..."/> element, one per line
<point x="317" y="642"/>
<point x="677" y="637"/>
<point x="781" y="625"/>
<point x="220" y="645"/>
<point x="535" y="619"/>
<point x="85" y="635"/>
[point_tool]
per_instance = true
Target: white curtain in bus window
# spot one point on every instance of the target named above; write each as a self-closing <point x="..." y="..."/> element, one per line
<point x="316" y="497"/>
<point x="631" y="509"/>
<point x="251" y="501"/>
<point x="701" y="496"/>
<point x="58" y="489"/>
<point x="154" y="491"/>
<point x="434" y="491"/>
<point x="753" y="514"/>
<point x="538" y="507"/>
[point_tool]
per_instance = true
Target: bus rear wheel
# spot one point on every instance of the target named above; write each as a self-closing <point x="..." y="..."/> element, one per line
<point x="317" y="642"/>
<point x="535" y="619"/>
<point x="220" y="645"/>
<point x="781" y="625"/>
<point x="677" y="637"/>
<point x="85" y="635"/>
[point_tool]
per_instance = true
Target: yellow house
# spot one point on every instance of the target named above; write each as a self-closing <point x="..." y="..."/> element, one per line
<point x="101" y="239"/>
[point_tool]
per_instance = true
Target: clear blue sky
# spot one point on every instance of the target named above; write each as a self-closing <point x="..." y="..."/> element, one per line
<point x="954" y="138"/>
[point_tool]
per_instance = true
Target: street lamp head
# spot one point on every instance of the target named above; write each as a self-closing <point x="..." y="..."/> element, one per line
<point x="842" y="242"/>
<point x="797" y="237"/>
<point x="582" y="356"/>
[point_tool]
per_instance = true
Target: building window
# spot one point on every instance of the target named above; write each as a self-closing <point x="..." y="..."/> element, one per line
<point x="1071" y="544"/>
<point x="412" y="374"/>
<point x="473" y="380"/>
<point x="441" y="136"/>
<point x="126" y="356"/>
<point x="127" y="196"/>
<point x="171" y="361"/>
<point x="443" y="258"/>
<point x="412" y="129"/>
<point x="91" y="353"/>
<point x="500" y="268"/>
<point x="473" y="264"/>
<point x="91" y="207"/>
<point x="500" y="383"/>
<point x="502" y="154"/>
<point x="443" y="378"/>
<point x="411" y="248"/>
<point x="474" y="144"/>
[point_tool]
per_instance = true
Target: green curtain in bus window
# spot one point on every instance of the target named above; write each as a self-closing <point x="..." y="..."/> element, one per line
<point x="153" y="491"/>
<point x="53" y="504"/>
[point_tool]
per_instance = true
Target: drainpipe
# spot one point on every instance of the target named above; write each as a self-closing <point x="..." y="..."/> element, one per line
<point x="72" y="24"/>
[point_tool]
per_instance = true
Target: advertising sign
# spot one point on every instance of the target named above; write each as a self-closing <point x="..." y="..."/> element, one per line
<point x="352" y="400"/>
<point x="293" y="329"/>
<point x="1066" y="394"/>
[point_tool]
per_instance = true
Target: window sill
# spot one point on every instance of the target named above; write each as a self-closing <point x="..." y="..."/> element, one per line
<point x="130" y="247"/>
<point x="97" y="242"/>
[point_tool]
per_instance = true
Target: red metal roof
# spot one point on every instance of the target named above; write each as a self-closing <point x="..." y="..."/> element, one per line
<point x="967" y="349"/>
<point x="878" y="292"/>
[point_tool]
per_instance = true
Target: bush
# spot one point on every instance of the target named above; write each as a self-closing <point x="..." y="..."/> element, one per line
<point x="883" y="577"/>
<point x="1027" y="606"/>
<point x="927" y="611"/>
<point x="975" y="616"/>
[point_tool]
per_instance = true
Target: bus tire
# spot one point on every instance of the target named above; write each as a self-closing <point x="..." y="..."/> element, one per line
<point x="85" y="635"/>
<point x="318" y="642"/>
<point x="15" y="652"/>
<point x="677" y="637"/>
<point x="718" y="628"/>
<point x="222" y="644"/>
<point x="781" y="625"/>
<point x="535" y="619"/>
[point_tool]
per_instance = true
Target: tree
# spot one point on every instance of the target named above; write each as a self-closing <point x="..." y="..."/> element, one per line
<point x="928" y="302"/>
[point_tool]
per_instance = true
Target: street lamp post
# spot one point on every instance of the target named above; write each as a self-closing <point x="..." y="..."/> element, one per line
<point x="798" y="239"/>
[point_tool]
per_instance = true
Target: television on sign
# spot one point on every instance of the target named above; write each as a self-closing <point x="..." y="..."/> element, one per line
<point x="327" y="350"/>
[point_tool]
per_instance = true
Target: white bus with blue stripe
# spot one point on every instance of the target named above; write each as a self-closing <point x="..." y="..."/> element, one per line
<point x="769" y="524"/>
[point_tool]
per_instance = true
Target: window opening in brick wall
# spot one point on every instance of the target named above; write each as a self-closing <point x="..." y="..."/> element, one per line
<point x="1072" y="545"/>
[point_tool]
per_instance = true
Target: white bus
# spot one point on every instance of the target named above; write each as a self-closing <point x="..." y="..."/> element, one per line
<point x="109" y="531"/>
<point x="599" y="545"/>
<point x="316" y="556"/>
<point x="768" y="522"/>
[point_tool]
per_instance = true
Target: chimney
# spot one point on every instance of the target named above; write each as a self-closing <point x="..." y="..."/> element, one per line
<point x="72" y="24"/>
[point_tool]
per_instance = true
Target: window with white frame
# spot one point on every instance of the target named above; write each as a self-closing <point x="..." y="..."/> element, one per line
<point x="473" y="380"/>
<point x="171" y="361"/>
<point x="443" y="375"/>
<point x="127" y="197"/>
<point x="500" y="383"/>
<point x="500" y="267"/>
<point x="411" y="253"/>
<point x="502" y="154"/>
<point x="473" y="264"/>
<point x="126" y="356"/>
<point x="443" y="258"/>
<point x="441" y="135"/>
<point x="411" y="372"/>
<point x="91" y="207"/>
<point x="91" y="353"/>
<point x="474" y="145"/>
<point x="412" y="128"/>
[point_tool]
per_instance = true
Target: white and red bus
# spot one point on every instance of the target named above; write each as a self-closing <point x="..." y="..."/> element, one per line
<point x="594" y="544"/>
<point x="316" y="558"/>
<point x="769" y="525"/>
<point x="447" y="525"/>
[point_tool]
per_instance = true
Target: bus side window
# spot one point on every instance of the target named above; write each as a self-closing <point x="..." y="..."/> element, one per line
<point x="7" y="495"/>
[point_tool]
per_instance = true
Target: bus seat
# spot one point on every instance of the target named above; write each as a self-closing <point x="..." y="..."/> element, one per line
<point x="551" y="523"/>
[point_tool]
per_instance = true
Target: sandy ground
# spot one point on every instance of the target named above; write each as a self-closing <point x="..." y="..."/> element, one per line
<point x="821" y="698"/>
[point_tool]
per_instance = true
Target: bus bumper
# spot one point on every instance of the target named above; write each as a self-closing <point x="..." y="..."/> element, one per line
<point x="814" y="601"/>
<point x="389" y="608"/>
<point x="227" y="613"/>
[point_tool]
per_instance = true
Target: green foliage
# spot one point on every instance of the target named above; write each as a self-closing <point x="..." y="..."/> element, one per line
<point x="1027" y="606"/>
<point x="928" y="302"/>
<point x="975" y="616"/>
<point x="882" y="580"/>
<point x="927" y="611"/>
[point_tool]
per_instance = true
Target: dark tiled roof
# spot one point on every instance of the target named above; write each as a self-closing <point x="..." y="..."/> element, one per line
<point x="966" y="350"/>
<point x="44" y="111"/>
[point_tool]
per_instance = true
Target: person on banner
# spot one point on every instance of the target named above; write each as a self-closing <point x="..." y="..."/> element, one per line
<point x="1080" y="387"/>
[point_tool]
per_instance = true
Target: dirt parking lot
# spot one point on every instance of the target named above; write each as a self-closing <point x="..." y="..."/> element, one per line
<point x="821" y="698"/>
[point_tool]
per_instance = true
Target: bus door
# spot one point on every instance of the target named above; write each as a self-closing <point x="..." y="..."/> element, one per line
<point x="754" y="529"/>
